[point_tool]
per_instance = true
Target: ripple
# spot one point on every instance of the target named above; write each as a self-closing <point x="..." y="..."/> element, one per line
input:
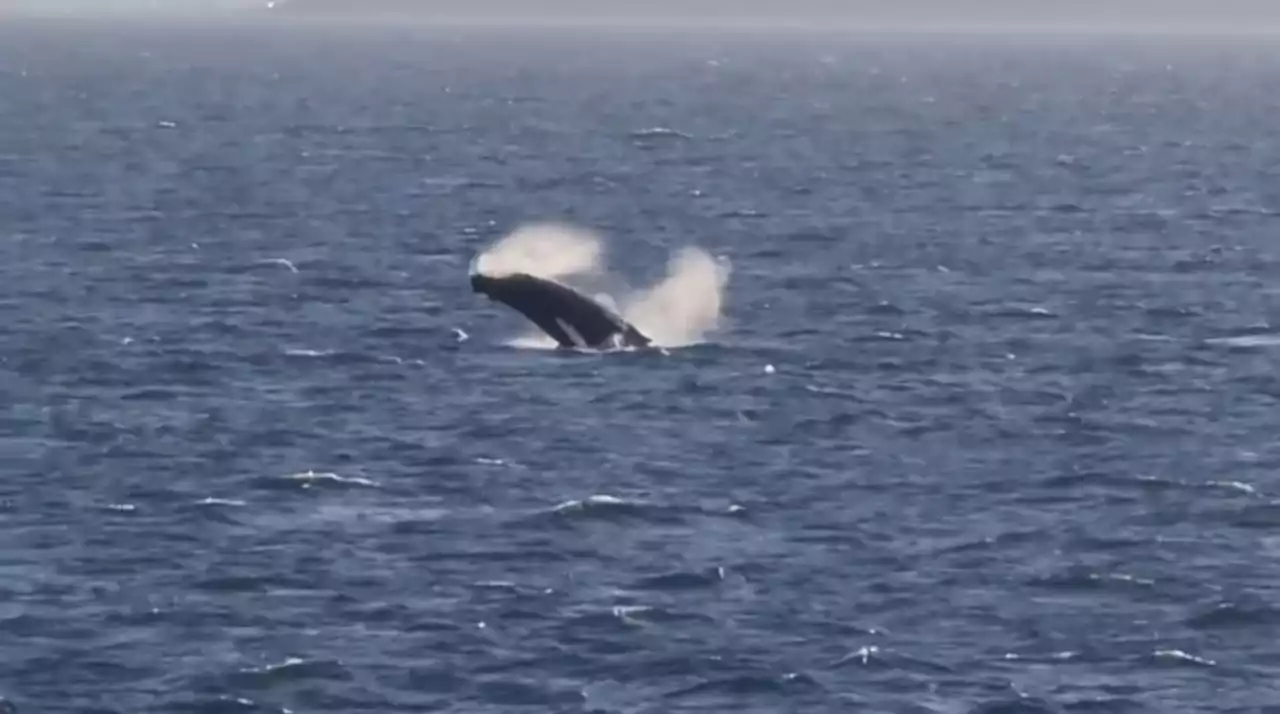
<point x="525" y="692"/>
<point x="1231" y="615"/>
<point x="1025" y="313"/>
<point x="290" y="670"/>
<point x="995" y="372"/>
<point x="228" y="502"/>
<point x="746" y="685"/>
<point x="880" y="658"/>
<point x="1255" y="516"/>
<point x="1078" y="578"/>
<point x="224" y="704"/>
<point x="612" y="509"/>
<point x="306" y="480"/>
<point x="683" y="580"/>
<point x="659" y="132"/>
<point x="1021" y="705"/>
<point x="1180" y="658"/>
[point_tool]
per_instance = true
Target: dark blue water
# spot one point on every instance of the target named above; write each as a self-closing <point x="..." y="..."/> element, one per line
<point x="1018" y="451"/>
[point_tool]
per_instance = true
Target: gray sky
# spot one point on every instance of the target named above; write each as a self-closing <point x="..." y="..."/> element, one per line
<point x="1215" y="15"/>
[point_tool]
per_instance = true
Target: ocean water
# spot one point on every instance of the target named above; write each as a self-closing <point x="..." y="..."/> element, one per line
<point x="988" y="422"/>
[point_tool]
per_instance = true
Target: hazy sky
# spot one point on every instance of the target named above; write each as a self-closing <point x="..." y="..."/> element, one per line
<point x="1102" y="14"/>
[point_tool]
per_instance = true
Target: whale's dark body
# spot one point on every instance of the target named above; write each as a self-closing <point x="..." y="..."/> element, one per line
<point x="569" y="317"/>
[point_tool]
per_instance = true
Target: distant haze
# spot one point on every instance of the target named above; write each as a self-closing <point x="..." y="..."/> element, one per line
<point x="1213" y="15"/>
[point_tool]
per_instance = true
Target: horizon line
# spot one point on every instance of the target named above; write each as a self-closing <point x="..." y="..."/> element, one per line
<point x="820" y="25"/>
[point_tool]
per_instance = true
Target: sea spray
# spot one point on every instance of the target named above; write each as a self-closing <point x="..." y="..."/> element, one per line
<point x="544" y="250"/>
<point x="685" y="305"/>
<point x="679" y="310"/>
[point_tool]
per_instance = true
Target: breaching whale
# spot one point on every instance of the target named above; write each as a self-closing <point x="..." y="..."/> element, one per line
<point x="572" y="319"/>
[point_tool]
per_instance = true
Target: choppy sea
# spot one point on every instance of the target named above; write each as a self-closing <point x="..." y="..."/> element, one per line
<point x="988" y="422"/>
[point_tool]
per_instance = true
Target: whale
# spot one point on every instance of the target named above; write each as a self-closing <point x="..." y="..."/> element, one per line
<point x="572" y="319"/>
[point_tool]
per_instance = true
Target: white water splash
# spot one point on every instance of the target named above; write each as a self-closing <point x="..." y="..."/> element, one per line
<point x="545" y="250"/>
<point x="680" y="310"/>
<point x="685" y="306"/>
